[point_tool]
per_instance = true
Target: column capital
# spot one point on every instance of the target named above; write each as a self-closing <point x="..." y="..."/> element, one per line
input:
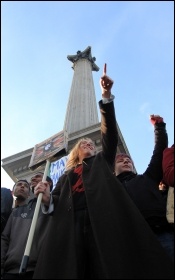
<point x="86" y="54"/>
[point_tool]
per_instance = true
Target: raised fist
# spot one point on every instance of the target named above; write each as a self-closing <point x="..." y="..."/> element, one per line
<point x="155" y="119"/>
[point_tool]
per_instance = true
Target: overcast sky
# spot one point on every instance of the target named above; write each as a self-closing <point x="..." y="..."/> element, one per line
<point x="134" y="38"/>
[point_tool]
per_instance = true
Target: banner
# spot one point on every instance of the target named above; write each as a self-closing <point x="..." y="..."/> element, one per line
<point x="57" y="168"/>
<point x="51" y="147"/>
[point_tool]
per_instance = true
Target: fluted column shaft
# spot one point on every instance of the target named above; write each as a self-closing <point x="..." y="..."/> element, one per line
<point x="82" y="106"/>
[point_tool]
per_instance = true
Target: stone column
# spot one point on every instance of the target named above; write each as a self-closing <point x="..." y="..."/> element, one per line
<point x="82" y="105"/>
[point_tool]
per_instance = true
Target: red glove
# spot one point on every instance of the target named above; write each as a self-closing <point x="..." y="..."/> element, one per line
<point x="155" y="119"/>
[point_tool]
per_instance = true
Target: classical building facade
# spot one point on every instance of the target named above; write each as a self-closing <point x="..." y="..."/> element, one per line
<point x="81" y="118"/>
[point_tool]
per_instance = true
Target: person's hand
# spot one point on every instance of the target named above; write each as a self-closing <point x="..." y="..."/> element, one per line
<point x="44" y="188"/>
<point x="106" y="84"/>
<point x="155" y="119"/>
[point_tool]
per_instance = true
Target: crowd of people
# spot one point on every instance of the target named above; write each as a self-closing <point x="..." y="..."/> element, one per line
<point x="102" y="220"/>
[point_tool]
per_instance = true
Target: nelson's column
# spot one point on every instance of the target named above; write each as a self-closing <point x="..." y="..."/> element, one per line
<point x="81" y="117"/>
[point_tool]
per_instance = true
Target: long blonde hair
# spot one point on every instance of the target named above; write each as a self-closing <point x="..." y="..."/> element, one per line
<point x="73" y="159"/>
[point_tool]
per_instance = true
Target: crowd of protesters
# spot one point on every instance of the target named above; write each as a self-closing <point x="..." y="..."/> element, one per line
<point x="102" y="220"/>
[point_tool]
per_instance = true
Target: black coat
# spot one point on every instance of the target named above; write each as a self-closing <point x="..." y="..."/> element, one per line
<point x="144" y="188"/>
<point x="6" y="206"/>
<point x="127" y="247"/>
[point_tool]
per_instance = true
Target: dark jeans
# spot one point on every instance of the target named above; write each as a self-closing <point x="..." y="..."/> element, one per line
<point x="88" y="259"/>
<point x="27" y="275"/>
<point x="165" y="235"/>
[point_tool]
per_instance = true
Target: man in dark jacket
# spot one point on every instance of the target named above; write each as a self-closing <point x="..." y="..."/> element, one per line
<point x="21" y="193"/>
<point x="15" y="235"/>
<point x="144" y="189"/>
<point x="96" y="231"/>
<point x="6" y="206"/>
